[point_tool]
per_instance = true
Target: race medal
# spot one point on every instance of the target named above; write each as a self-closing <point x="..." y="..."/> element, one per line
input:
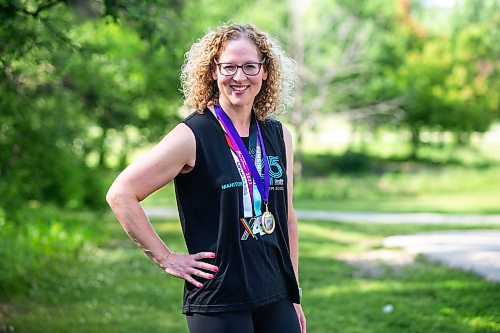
<point x="268" y="223"/>
<point x="249" y="174"/>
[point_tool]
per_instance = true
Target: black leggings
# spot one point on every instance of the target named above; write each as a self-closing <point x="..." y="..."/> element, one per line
<point x="278" y="317"/>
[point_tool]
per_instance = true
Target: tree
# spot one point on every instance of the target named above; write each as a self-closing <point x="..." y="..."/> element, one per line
<point x="334" y="44"/>
<point x="68" y="71"/>
<point x="447" y="76"/>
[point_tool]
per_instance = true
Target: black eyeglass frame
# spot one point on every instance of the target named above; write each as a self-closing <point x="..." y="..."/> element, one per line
<point x="218" y="64"/>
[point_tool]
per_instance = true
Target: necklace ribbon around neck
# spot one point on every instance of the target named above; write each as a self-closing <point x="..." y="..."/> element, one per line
<point x="251" y="173"/>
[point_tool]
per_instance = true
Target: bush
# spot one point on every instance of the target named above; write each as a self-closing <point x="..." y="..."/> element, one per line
<point x="37" y="246"/>
<point x="353" y="162"/>
<point x="97" y="182"/>
<point x="326" y="164"/>
<point x="336" y="186"/>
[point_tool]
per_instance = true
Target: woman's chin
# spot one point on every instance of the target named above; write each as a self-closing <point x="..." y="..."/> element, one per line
<point x="241" y="101"/>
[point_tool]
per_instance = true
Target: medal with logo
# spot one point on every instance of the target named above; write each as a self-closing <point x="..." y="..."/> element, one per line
<point x="250" y="176"/>
<point x="268" y="222"/>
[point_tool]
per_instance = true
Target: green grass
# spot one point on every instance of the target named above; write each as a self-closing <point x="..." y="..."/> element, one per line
<point x="482" y="203"/>
<point x="113" y="287"/>
<point x="448" y="189"/>
<point x="426" y="297"/>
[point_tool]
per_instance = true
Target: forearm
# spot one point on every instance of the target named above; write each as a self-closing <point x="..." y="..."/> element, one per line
<point x="137" y="226"/>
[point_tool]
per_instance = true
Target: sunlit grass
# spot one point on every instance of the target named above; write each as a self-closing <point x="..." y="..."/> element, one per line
<point x="477" y="203"/>
<point x="113" y="287"/>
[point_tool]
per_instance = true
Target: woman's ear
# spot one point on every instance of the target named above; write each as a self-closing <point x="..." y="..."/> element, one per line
<point x="213" y="68"/>
<point x="264" y="73"/>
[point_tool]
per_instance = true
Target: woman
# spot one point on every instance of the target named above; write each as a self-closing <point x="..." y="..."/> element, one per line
<point x="232" y="167"/>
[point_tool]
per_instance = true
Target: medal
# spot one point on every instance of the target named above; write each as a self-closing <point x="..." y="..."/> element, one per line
<point x="248" y="172"/>
<point x="268" y="223"/>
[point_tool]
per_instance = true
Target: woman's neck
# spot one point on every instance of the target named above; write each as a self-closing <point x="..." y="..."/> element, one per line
<point x="240" y="117"/>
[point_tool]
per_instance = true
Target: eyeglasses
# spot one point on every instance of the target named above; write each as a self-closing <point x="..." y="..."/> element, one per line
<point x="229" y="69"/>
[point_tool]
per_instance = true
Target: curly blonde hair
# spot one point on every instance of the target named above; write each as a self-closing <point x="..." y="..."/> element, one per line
<point x="200" y="90"/>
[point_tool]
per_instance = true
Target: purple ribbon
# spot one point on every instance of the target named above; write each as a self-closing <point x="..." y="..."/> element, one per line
<point x="263" y="186"/>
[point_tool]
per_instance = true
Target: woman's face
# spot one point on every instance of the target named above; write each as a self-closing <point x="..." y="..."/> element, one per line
<point x="239" y="90"/>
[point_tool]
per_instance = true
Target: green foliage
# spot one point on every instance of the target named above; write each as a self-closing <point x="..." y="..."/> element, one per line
<point x="79" y="78"/>
<point x="36" y="245"/>
<point x="68" y="79"/>
<point x="325" y="164"/>
<point x="433" y="77"/>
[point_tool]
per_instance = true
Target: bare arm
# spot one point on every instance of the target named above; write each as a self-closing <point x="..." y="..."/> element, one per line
<point x="175" y="153"/>
<point x="292" y="218"/>
<point x="293" y="232"/>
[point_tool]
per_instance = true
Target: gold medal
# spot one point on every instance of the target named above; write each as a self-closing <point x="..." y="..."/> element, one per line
<point x="268" y="222"/>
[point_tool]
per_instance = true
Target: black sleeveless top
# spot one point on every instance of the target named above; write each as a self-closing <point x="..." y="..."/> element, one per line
<point x="252" y="272"/>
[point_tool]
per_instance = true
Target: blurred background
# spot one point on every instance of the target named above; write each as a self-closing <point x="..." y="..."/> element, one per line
<point x="396" y="111"/>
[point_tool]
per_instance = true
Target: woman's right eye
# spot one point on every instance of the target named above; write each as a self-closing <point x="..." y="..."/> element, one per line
<point x="229" y="68"/>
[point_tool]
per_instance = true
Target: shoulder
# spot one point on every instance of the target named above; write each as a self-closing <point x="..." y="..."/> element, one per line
<point x="280" y="131"/>
<point x="180" y="136"/>
<point x="271" y="122"/>
<point x="273" y="125"/>
<point x="196" y="118"/>
<point x="200" y="121"/>
<point x="287" y="137"/>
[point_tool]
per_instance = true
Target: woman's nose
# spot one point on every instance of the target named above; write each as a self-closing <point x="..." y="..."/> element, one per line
<point x="239" y="75"/>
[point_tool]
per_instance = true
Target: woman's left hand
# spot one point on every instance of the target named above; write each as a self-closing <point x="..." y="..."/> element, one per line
<point x="302" y="318"/>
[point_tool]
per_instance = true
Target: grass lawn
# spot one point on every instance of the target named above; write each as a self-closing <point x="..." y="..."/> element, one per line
<point x="113" y="287"/>
<point x="457" y="203"/>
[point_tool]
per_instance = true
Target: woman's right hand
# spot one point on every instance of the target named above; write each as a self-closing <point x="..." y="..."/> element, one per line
<point x="185" y="266"/>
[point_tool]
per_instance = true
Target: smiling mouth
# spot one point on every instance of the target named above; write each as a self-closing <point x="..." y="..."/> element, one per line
<point x="239" y="88"/>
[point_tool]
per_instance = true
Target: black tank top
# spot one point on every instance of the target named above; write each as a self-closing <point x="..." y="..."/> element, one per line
<point x="252" y="272"/>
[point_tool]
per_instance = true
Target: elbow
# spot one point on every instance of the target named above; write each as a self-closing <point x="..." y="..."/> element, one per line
<point x="111" y="197"/>
<point x="114" y="196"/>
<point x="120" y="195"/>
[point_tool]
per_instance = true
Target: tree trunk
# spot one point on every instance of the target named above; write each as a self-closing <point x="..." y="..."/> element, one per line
<point x="441" y="139"/>
<point x="102" y="148"/>
<point x="351" y="146"/>
<point x="462" y="139"/>
<point x="124" y="152"/>
<point x="415" y="141"/>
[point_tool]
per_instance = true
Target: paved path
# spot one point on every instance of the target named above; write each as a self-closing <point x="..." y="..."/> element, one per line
<point x="371" y="217"/>
<point x="477" y="250"/>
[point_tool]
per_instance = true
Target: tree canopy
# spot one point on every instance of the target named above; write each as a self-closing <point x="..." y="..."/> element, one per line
<point x="79" y="79"/>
